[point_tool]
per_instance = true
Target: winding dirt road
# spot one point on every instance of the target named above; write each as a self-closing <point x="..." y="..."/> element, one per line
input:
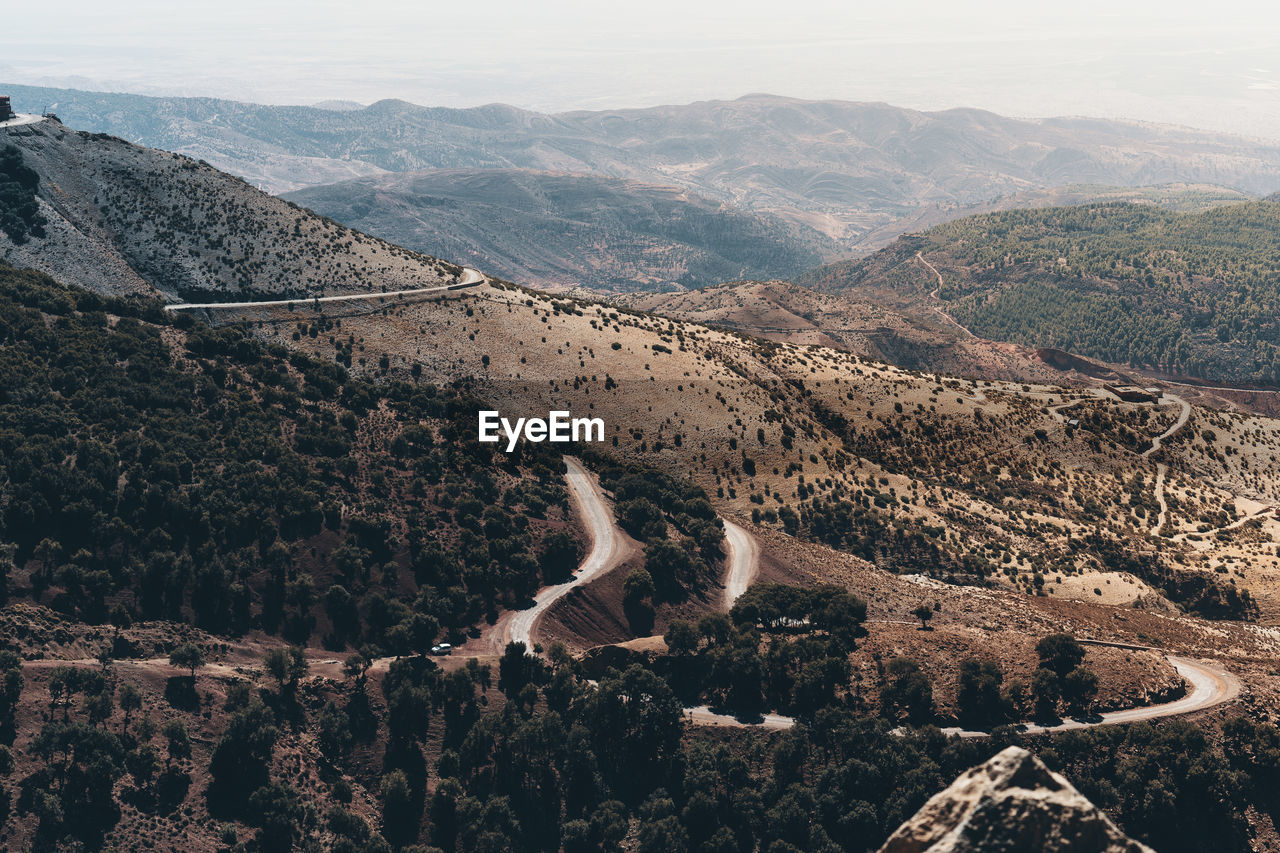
<point x="1162" y="470"/>
<point x="469" y="278"/>
<point x="1183" y="417"/>
<point x="933" y="294"/>
<point x="608" y="550"/>
<point x="1210" y="685"/>
<point x="743" y="559"/>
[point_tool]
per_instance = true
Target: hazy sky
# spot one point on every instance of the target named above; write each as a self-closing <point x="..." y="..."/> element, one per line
<point x="1205" y="64"/>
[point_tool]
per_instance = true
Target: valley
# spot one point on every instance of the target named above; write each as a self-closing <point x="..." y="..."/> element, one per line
<point x="558" y="230"/>
<point x="241" y="478"/>
<point x="674" y="196"/>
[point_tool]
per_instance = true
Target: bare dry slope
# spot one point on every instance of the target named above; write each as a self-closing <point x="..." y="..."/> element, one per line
<point x="126" y="219"/>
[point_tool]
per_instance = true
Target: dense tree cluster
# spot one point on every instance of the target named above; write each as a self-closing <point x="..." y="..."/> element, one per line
<point x="1136" y="284"/>
<point x="563" y="765"/>
<point x="675" y="520"/>
<point x="20" y="216"/>
<point x="780" y="648"/>
<point x="153" y="468"/>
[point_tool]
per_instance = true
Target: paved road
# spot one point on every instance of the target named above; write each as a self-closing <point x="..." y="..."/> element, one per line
<point x="743" y="559"/>
<point x="608" y="549"/>
<point x="469" y="278"/>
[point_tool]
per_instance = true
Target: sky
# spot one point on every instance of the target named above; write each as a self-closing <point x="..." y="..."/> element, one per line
<point x="1211" y="65"/>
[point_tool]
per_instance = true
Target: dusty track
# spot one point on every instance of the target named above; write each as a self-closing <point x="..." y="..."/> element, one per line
<point x="609" y="549"/>
<point x="1162" y="470"/>
<point x="1210" y="685"/>
<point x="743" y="559"/>
<point x="934" y="295"/>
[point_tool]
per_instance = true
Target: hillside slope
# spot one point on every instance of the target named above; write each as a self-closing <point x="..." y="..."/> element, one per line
<point x="126" y="219"/>
<point x="897" y="466"/>
<point x="1190" y="294"/>
<point x="549" y="229"/>
<point x="302" y="482"/>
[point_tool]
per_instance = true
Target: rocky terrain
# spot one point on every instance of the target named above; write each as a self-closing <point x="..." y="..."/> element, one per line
<point x="1014" y="803"/>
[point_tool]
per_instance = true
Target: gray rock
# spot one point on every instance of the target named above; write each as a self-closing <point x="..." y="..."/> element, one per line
<point x="1010" y="804"/>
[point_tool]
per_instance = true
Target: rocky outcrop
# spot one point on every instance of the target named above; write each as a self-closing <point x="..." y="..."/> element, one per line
<point x="1012" y="803"/>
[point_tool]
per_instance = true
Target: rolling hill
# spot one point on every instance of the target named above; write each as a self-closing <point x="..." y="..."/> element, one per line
<point x="264" y="514"/>
<point x="812" y="439"/>
<point x="1191" y="295"/>
<point x="123" y="219"/>
<point x="549" y="229"/>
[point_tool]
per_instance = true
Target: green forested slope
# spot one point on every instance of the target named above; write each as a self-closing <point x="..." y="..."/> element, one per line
<point x="1195" y="294"/>
<point x="160" y="469"/>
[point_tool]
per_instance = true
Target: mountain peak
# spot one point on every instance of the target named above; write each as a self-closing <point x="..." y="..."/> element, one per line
<point x="1012" y="802"/>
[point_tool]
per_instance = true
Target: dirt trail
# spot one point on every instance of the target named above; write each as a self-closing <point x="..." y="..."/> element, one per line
<point x="1183" y="417"/>
<point x="933" y="294"/>
<point x="1162" y="470"/>
<point x="743" y="560"/>
<point x="1239" y="522"/>
<point x="1210" y="685"/>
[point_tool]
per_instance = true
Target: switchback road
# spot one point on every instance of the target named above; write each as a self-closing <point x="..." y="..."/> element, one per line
<point x="608" y="550"/>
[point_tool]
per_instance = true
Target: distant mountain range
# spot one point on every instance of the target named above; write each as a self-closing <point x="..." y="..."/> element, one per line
<point x="846" y="178"/>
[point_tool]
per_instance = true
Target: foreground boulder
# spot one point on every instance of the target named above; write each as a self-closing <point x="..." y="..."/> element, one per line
<point x="1012" y="803"/>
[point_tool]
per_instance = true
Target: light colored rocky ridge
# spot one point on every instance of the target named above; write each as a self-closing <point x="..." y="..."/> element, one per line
<point x="1012" y="803"/>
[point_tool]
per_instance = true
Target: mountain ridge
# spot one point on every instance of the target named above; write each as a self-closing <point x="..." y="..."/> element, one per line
<point x="1181" y="294"/>
<point x="127" y="219"/>
<point x="844" y="169"/>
